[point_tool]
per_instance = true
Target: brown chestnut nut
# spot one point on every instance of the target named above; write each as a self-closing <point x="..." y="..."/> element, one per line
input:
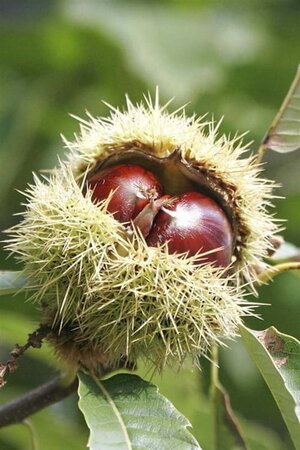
<point x="131" y="187"/>
<point x="190" y="223"/>
<point x="194" y="223"/>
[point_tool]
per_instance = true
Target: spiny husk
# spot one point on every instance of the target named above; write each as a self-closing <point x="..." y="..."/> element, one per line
<point x="149" y="127"/>
<point x="111" y="291"/>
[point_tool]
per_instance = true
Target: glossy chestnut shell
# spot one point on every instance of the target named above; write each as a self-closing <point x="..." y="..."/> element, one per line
<point x="193" y="216"/>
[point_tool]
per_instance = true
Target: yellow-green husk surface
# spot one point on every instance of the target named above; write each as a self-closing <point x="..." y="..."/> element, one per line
<point x="112" y="292"/>
<point x="108" y="297"/>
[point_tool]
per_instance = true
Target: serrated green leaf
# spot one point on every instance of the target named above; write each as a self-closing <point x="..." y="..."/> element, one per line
<point x="278" y="358"/>
<point x="284" y="134"/>
<point x="128" y="413"/>
<point x="186" y="392"/>
<point x="11" y="282"/>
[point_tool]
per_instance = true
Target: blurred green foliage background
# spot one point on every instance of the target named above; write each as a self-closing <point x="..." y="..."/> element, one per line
<point x="233" y="59"/>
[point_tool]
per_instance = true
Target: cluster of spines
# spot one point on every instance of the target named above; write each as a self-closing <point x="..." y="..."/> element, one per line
<point x="150" y="125"/>
<point x="110" y="289"/>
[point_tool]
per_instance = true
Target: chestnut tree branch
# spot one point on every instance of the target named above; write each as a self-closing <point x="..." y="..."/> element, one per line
<point x="51" y="392"/>
<point x="271" y="272"/>
<point x="34" y="340"/>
